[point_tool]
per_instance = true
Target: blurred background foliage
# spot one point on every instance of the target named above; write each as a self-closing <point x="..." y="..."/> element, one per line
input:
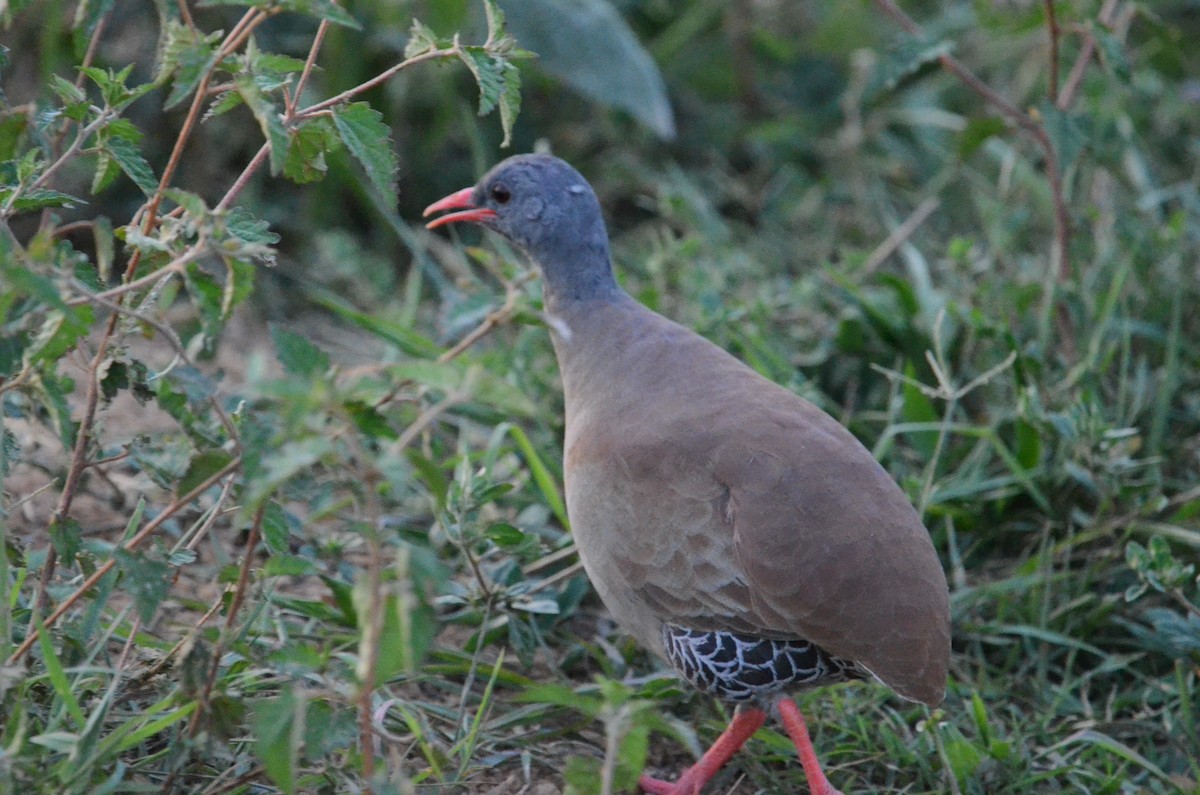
<point x="805" y="184"/>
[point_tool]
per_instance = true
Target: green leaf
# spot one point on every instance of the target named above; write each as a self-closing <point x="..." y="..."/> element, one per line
<point x="278" y="732"/>
<point x="67" y="536"/>
<point x="267" y="114"/>
<point x="1066" y="132"/>
<point x="489" y="75"/>
<point x="127" y="156"/>
<point x="1112" y="52"/>
<point x="617" y="70"/>
<point x="186" y="54"/>
<point x="37" y="199"/>
<point x="275" y="530"/>
<point x="918" y="408"/>
<point x="202" y="466"/>
<point x="307" y="147"/>
<point x="246" y="226"/>
<point x="322" y="9"/>
<point x="904" y="59"/>
<point x="297" y="355"/>
<point x="368" y="138"/>
<point x="369" y="421"/>
<point x="421" y="40"/>
<point x="57" y="675"/>
<point x="398" y="334"/>
<point x="977" y="132"/>
<point x="147" y="580"/>
<point x="506" y="535"/>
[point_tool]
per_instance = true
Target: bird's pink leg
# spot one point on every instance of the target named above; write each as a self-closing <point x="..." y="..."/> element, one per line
<point x="793" y="722"/>
<point x="746" y="721"/>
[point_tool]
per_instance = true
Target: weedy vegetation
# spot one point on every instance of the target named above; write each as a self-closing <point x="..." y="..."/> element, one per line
<point x="281" y="506"/>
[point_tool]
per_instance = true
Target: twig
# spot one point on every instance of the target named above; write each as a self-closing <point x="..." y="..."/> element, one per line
<point x="1086" y="50"/>
<point x="308" y="65"/>
<point x="132" y="543"/>
<point x="254" y="165"/>
<point x="1060" y="256"/>
<point x="214" y="668"/>
<point x="71" y="483"/>
<point x="382" y="77"/>
<point x="1052" y="31"/>
<point x="236" y="37"/>
<point x="105" y="116"/>
<point x="900" y="234"/>
<point x="493" y="320"/>
<point x="173" y="268"/>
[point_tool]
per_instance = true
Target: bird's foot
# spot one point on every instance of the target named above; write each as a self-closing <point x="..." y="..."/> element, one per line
<point x="686" y="785"/>
<point x="796" y="728"/>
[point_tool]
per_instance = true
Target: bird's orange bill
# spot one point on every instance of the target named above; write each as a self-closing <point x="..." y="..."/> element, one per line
<point x="462" y="200"/>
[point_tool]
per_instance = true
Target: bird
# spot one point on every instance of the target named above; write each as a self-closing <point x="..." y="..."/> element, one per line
<point x="730" y="526"/>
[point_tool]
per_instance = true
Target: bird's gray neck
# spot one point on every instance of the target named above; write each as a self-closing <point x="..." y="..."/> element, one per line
<point x="577" y="271"/>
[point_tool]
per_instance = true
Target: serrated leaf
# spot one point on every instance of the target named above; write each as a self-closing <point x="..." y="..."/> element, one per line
<point x="628" y="79"/>
<point x="297" y="355"/>
<point x="420" y="41"/>
<point x="905" y="58"/>
<point x="202" y="466"/>
<point x="37" y="199"/>
<point x="275" y="530"/>
<point x="510" y="101"/>
<point x="67" y="91"/>
<point x="246" y="226"/>
<point x="185" y="56"/>
<point x="192" y="203"/>
<point x="147" y="580"/>
<point x="322" y="9"/>
<point x="368" y="138"/>
<point x="67" y="537"/>
<point x="107" y="170"/>
<point x="278" y="731"/>
<point x="127" y="156"/>
<point x="208" y="295"/>
<point x="267" y="115"/>
<point x="307" y="147"/>
<point x="488" y="71"/>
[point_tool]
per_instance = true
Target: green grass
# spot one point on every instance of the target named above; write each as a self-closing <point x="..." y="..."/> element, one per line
<point x="304" y="531"/>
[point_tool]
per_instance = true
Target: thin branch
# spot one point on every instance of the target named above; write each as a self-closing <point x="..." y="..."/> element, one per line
<point x="1060" y="252"/>
<point x="132" y="543"/>
<point x="236" y="37"/>
<point x="74" y="472"/>
<point x="382" y="77"/>
<point x="254" y="165"/>
<point x="1053" y="32"/>
<point x="106" y="116"/>
<point x="1086" y="50"/>
<point x="93" y="43"/>
<point x="173" y="268"/>
<point x="900" y="234"/>
<point x="308" y="65"/>
<point x="492" y="321"/>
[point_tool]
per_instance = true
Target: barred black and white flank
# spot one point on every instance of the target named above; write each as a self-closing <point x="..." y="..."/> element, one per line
<point x="743" y="668"/>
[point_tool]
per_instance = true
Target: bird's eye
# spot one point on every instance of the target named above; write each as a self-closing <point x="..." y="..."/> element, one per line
<point x="501" y="194"/>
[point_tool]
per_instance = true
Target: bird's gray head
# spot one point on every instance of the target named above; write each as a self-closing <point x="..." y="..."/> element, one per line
<point x="547" y="209"/>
